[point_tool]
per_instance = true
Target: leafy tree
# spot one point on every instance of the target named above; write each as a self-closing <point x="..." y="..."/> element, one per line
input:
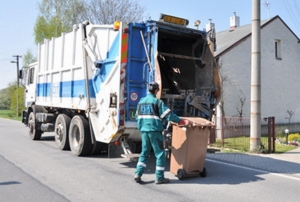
<point x="28" y="58"/>
<point x="17" y="100"/>
<point x="57" y="16"/>
<point x="12" y="98"/>
<point x="41" y="30"/>
<point x="4" y="100"/>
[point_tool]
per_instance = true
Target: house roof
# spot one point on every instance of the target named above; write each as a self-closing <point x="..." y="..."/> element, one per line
<point x="229" y="38"/>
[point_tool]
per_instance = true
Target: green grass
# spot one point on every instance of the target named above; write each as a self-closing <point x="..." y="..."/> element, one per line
<point x="8" y="114"/>
<point x="281" y="148"/>
<point x="242" y="144"/>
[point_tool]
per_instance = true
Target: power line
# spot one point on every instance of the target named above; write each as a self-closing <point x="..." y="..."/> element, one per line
<point x="291" y="13"/>
<point x="297" y="8"/>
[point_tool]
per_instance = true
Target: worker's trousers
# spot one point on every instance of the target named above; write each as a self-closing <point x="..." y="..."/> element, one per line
<point x="154" y="140"/>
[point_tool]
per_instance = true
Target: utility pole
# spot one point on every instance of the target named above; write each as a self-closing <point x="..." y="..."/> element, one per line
<point x="255" y="123"/>
<point x="17" y="61"/>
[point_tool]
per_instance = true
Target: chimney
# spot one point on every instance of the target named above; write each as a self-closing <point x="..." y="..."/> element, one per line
<point x="210" y="25"/>
<point x="234" y="21"/>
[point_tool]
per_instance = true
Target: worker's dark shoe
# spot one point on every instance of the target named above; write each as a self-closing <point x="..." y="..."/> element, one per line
<point x="137" y="179"/>
<point x="163" y="181"/>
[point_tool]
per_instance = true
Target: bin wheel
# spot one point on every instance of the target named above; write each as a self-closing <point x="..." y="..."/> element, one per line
<point x="203" y="173"/>
<point x="180" y="174"/>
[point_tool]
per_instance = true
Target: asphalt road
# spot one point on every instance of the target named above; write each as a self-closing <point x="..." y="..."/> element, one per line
<point x="38" y="171"/>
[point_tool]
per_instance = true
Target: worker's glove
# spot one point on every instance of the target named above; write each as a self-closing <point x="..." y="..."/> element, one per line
<point x="185" y="122"/>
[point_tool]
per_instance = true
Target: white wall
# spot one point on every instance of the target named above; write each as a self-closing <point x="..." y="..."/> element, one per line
<point x="280" y="79"/>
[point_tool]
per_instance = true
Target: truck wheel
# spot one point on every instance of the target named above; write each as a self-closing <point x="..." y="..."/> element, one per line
<point x="79" y="136"/>
<point x="62" y="125"/>
<point x="34" y="133"/>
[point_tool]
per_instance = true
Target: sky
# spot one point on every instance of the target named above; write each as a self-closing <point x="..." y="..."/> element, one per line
<point x="18" y="17"/>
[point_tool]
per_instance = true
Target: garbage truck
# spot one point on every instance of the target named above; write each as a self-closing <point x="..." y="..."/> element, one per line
<point x="86" y="84"/>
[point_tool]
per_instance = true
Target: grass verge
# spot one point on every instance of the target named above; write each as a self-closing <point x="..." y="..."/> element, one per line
<point x="242" y="144"/>
<point x="8" y="114"/>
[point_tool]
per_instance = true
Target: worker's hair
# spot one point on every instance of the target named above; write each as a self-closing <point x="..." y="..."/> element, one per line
<point x="152" y="91"/>
<point x="153" y="86"/>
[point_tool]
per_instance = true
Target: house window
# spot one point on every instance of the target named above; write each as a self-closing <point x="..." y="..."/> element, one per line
<point x="278" y="49"/>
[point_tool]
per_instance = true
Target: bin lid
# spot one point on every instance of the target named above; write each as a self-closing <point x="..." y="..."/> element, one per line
<point x="199" y="121"/>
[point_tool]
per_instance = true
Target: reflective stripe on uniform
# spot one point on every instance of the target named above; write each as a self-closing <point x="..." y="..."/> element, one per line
<point x="165" y="113"/>
<point x="160" y="168"/>
<point x="148" y="117"/>
<point x="141" y="164"/>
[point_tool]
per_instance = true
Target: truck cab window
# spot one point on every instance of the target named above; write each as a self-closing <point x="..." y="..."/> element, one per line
<point x="31" y="76"/>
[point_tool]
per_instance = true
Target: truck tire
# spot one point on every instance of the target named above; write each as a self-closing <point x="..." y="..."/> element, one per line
<point x="34" y="133"/>
<point x="79" y="136"/>
<point x="62" y="125"/>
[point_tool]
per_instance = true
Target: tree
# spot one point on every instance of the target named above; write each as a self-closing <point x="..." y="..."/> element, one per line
<point x="57" y="16"/>
<point x="17" y="100"/>
<point x="12" y="98"/>
<point x="28" y="58"/>
<point x="108" y="11"/>
<point x="290" y="113"/>
<point x="240" y="106"/>
<point x="4" y="100"/>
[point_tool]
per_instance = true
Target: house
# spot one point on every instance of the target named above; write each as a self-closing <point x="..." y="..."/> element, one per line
<point x="280" y="73"/>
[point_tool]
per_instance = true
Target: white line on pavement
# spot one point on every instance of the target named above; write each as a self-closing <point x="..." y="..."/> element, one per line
<point x="253" y="169"/>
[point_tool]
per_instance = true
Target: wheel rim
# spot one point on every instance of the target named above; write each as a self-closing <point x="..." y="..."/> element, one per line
<point x="59" y="132"/>
<point x="31" y="124"/>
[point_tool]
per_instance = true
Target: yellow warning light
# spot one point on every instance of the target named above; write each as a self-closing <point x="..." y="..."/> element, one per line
<point x="116" y="25"/>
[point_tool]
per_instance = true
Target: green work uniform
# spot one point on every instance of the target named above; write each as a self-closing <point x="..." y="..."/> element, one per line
<point x="151" y="111"/>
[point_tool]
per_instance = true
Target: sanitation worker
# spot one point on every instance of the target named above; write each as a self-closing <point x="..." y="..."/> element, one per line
<point x="151" y="112"/>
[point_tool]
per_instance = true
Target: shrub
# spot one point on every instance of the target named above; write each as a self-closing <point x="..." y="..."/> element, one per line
<point x="294" y="137"/>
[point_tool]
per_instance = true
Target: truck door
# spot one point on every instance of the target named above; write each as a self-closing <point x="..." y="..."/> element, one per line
<point x="30" y="86"/>
<point x="136" y="70"/>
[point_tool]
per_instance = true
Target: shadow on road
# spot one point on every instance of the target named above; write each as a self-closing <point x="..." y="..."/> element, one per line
<point x="9" y="183"/>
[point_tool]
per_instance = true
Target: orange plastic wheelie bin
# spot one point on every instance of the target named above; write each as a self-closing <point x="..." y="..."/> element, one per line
<point x="189" y="146"/>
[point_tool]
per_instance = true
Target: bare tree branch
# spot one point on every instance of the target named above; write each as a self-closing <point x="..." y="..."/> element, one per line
<point x="108" y="11"/>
